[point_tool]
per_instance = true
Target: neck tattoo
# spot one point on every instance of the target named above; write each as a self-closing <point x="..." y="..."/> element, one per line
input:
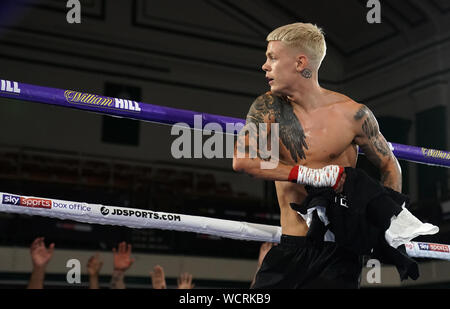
<point x="306" y="73"/>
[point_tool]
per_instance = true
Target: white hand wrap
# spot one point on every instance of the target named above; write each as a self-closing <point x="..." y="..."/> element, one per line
<point x="328" y="176"/>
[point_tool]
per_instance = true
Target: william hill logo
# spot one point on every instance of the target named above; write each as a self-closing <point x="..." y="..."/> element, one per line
<point x="8" y="86"/>
<point x="436" y="153"/>
<point x="93" y="100"/>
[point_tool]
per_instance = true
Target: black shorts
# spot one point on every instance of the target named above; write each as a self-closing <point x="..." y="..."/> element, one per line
<point x="300" y="262"/>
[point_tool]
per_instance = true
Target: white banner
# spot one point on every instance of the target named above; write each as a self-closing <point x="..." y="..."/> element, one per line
<point x="136" y="218"/>
<point x="140" y="218"/>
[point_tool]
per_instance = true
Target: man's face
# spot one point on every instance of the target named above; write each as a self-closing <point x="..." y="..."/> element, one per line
<point x="280" y="68"/>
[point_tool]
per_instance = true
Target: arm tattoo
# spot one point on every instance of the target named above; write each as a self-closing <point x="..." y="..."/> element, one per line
<point x="377" y="150"/>
<point x="370" y="128"/>
<point x="377" y="146"/>
<point x="360" y="113"/>
<point x="270" y="108"/>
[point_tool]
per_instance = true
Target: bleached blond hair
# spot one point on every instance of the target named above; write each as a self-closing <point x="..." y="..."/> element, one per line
<point x="307" y="38"/>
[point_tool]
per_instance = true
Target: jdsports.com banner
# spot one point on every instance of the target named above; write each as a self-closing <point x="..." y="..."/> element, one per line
<point x="136" y="218"/>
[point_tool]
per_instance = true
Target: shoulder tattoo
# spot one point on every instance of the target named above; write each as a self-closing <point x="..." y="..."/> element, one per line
<point x="278" y="110"/>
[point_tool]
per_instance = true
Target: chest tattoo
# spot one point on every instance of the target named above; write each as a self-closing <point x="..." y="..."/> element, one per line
<point x="291" y="131"/>
<point x="277" y="109"/>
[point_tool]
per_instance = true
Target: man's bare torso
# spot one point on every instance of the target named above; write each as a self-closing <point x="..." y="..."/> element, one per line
<point x="326" y="137"/>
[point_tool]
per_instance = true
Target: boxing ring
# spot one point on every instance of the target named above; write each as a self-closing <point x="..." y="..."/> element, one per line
<point x="138" y="218"/>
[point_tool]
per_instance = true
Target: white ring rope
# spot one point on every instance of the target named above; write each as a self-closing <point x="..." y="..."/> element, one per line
<point x="136" y="218"/>
<point x="139" y="218"/>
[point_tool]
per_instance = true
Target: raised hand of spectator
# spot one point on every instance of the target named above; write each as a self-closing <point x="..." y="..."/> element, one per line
<point x="158" y="278"/>
<point x="122" y="257"/>
<point x="40" y="256"/>
<point x="122" y="261"/>
<point x="185" y="281"/>
<point x="94" y="265"/>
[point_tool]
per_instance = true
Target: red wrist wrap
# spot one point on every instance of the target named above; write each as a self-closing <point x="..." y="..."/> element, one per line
<point x="341" y="171"/>
<point x="293" y="175"/>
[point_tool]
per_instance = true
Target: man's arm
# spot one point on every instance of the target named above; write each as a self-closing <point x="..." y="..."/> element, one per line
<point x="248" y="157"/>
<point x="251" y="155"/>
<point x="376" y="148"/>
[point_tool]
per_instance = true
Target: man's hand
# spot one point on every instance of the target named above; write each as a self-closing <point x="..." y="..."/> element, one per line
<point x="185" y="281"/>
<point x="328" y="176"/>
<point x="94" y="265"/>
<point x="40" y="255"/>
<point x="122" y="257"/>
<point x="122" y="261"/>
<point x="158" y="278"/>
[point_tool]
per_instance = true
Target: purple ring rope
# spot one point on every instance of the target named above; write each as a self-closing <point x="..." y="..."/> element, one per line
<point x="168" y="115"/>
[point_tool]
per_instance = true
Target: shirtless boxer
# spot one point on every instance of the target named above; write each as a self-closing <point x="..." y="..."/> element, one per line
<point x="317" y="128"/>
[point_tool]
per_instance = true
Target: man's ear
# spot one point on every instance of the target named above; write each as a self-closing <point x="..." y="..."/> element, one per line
<point x="301" y="63"/>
